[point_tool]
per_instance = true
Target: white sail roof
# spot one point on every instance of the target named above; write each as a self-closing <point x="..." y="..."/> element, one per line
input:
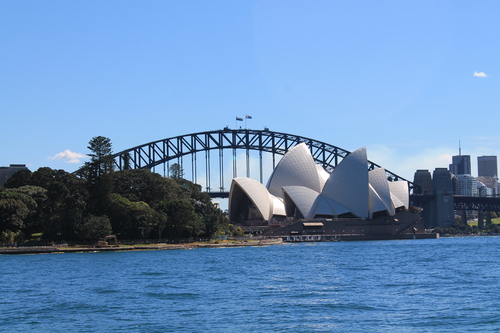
<point x="256" y="192"/>
<point x="348" y="183"/>
<point x="323" y="176"/>
<point x="375" y="203"/>
<point x="325" y="206"/>
<point x="400" y="190"/>
<point x="278" y="207"/>
<point x="299" y="183"/>
<point x="396" y="202"/>
<point x="296" y="168"/>
<point x="302" y="197"/>
<point x="378" y="180"/>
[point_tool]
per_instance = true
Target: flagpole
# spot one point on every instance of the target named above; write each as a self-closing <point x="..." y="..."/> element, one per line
<point x="236" y="122"/>
<point x="247" y="117"/>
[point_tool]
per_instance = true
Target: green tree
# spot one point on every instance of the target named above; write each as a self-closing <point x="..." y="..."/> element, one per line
<point x="211" y="217"/>
<point x="147" y="186"/>
<point x="95" y="227"/>
<point x="131" y="220"/>
<point x="66" y="206"/>
<point x="239" y="232"/>
<point x="183" y="222"/>
<point x="35" y="218"/>
<point x="126" y="161"/>
<point x="9" y="237"/>
<point x="176" y="171"/>
<point x="97" y="174"/>
<point x="101" y="155"/>
<point x="13" y="213"/>
<point x="16" y="210"/>
<point x="18" y="179"/>
<point x="161" y="220"/>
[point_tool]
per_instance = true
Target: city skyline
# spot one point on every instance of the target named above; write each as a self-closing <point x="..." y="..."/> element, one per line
<point x="397" y="78"/>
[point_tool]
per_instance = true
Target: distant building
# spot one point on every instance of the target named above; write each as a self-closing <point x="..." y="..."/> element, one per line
<point x="443" y="208"/>
<point x="460" y="165"/>
<point x="467" y="185"/>
<point x="422" y="181"/>
<point x="7" y="172"/>
<point x="488" y="172"/>
<point x="490" y="182"/>
<point x="487" y="166"/>
<point x="484" y="190"/>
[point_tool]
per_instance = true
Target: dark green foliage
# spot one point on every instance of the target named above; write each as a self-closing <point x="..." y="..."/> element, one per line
<point x="176" y="171"/>
<point x="463" y="229"/>
<point x="36" y="200"/>
<point x="126" y="161"/>
<point x="95" y="227"/>
<point x="96" y="201"/>
<point x="130" y="220"/>
<point x="67" y="195"/>
<point x="492" y="229"/>
<point x="161" y="220"/>
<point x="183" y="222"/>
<point x="13" y="214"/>
<point x="238" y="232"/>
<point x="9" y="237"/>
<point x="19" y="178"/>
<point x="212" y="218"/>
<point x="97" y="172"/>
<point x="144" y="185"/>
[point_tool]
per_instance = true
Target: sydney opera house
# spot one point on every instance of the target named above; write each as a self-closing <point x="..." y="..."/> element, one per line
<point x="302" y="200"/>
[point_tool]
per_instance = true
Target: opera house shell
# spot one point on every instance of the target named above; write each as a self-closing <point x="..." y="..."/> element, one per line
<point x="300" y="189"/>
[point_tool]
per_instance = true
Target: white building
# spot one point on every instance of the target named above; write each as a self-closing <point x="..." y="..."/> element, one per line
<point x="467" y="185"/>
<point x="299" y="188"/>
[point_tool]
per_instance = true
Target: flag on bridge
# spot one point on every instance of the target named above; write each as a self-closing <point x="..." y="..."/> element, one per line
<point x="239" y="119"/>
<point x="248" y="117"/>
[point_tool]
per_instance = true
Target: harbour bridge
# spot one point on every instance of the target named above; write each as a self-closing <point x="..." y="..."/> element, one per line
<point x="213" y="158"/>
<point x="219" y="152"/>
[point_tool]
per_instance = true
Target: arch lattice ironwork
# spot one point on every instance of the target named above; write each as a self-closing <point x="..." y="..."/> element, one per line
<point x="152" y="154"/>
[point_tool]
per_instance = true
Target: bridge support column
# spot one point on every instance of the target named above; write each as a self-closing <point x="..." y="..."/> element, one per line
<point x="464" y="216"/>
<point x="480" y="219"/>
<point x="488" y="218"/>
<point x="442" y="213"/>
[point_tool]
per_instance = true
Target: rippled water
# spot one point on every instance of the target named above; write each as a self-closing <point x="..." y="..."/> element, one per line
<point x="443" y="285"/>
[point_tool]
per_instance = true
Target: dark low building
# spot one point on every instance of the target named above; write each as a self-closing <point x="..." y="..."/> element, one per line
<point x="7" y="172"/>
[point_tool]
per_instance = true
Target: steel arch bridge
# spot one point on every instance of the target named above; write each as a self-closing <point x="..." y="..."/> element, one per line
<point x="161" y="152"/>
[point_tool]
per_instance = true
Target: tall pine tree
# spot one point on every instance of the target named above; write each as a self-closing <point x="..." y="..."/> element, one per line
<point x="97" y="173"/>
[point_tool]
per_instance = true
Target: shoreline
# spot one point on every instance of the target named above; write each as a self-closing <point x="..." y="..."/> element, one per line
<point x="76" y="249"/>
<point x="191" y="246"/>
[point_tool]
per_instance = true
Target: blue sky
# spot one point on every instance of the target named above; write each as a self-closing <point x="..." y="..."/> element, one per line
<point x="406" y="79"/>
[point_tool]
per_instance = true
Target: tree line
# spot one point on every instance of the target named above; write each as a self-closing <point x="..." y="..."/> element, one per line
<point x="96" y="200"/>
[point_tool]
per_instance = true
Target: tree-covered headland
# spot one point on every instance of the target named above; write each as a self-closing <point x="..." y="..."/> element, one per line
<point x="57" y="206"/>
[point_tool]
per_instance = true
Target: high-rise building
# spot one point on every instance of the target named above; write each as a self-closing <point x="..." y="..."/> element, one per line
<point x="422" y="181"/>
<point x="487" y="166"/>
<point x="460" y="165"/>
<point x="442" y="213"/>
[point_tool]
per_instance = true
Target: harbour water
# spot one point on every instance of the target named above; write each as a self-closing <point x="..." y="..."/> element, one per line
<point x="433" y="285"/>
